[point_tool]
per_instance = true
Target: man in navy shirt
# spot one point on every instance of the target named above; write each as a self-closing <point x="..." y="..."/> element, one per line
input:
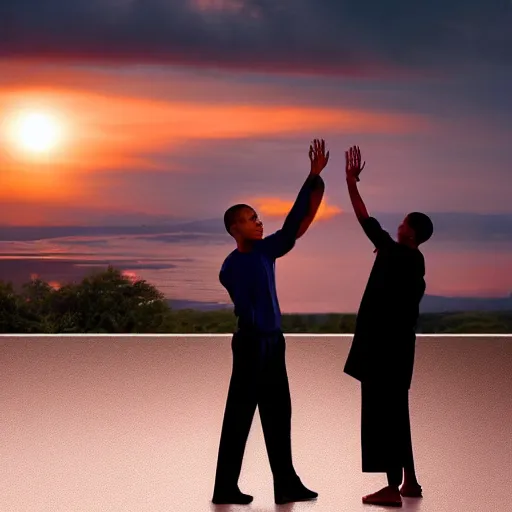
<point x="382" y="351"/>
<point x="259" y="375"/>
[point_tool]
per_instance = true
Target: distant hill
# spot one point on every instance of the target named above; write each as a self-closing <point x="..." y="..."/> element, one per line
<point x="440" y="304"/>
<point x="429" y="304"/>
<point x="198" y="306"/>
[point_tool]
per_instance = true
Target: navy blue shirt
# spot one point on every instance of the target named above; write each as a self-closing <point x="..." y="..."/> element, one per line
<point x="249" y="277"/>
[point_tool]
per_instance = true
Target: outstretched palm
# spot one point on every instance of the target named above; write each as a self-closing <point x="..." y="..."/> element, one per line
<point x="318" y="156"/>
<point x="353" y="165"/>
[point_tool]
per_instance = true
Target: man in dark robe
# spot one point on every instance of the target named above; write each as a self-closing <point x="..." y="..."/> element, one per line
<point x="382" y="353"/>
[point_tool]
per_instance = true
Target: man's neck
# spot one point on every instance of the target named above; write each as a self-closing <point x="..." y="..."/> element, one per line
<point x="245" y="245"/>
<point x="409" y="243"/>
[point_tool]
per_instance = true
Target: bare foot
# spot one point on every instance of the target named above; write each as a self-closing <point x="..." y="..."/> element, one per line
<point x="386" y="497"/>
<point x="411" y="490"/>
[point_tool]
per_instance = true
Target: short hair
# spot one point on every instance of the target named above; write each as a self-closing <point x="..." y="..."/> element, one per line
<point x="231" y="215"/>
<point x="421" y="225"/>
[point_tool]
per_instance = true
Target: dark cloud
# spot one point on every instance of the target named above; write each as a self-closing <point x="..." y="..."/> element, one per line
<point x="355" y="37"/>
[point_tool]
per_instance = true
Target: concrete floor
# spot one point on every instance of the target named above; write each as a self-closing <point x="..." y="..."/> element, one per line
<point x="132" y="424"/>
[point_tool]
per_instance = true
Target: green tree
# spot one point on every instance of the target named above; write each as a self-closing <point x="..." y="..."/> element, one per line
<point x="104" y="302"/>
<point x="15" y="314"/>
<point x="110" y="302"/>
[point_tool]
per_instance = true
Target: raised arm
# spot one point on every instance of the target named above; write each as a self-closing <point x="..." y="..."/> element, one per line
<point x="305" y="207"/>
<point x="353" y="168"/>
<point x="315" y="199"/>
<point x="370" y="225"/>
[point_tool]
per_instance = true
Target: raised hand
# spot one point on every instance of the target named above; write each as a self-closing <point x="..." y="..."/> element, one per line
<point x="353" y="165"/>
<point x="317" y="156"/>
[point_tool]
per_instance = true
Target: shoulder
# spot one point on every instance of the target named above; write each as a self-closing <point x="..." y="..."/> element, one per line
<point x="275" y="245"/>
<point x="228" y="261"/>
<point x="420" y="262"/>
<point x="372" y="226"/>
<point x="373" y="230"/>
<point x="414" y="260"/>
<point x="227" y="269"/>
<point x="371" y="222"/>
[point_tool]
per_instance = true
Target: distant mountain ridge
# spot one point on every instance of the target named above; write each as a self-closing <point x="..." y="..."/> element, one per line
<point x="197" y="305"/>
<point x="440" y="304"/>
<point x="429" y="304"/>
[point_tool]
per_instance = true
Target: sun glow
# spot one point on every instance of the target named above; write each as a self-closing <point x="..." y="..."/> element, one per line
<point x="36" y="132"/>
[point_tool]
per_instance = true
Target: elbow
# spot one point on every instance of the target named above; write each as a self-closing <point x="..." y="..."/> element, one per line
<point x="318" y="189"/>
<point x="301" y="231"/>
<point x="362" y="216"/>
<point x="290" y="235"/>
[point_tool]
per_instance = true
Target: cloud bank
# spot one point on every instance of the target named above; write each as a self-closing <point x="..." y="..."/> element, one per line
<point x="350" y="37"/>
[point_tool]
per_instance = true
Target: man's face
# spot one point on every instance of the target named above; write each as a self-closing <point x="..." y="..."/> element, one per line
<point x="405" y="232"/>
<point x="248" y="225"/>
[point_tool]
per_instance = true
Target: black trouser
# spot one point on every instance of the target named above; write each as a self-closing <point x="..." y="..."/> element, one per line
<point x="259" y="378"/>
<point x="386" y="431"/>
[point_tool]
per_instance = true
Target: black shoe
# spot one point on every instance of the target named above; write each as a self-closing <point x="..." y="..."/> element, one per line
<point x="231" y="498"/>
<point x="297" y="492"/>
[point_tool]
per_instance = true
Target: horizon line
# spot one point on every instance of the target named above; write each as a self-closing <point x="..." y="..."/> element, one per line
<point x="219" y="335"/>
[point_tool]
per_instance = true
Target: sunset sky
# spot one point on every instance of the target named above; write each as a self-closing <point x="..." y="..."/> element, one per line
<point x="161" y="114"/>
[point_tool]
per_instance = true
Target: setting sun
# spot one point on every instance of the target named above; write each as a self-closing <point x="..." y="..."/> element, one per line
<point x="37" y="132"/>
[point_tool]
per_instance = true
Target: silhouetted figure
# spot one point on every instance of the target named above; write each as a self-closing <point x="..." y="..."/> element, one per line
<point x="382" y="351"/>
<point x="259" y="375"/>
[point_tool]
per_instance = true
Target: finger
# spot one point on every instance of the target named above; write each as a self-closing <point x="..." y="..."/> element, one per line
<point x="323" y="146"/>
<point x="310" y="153"/>
<point x="362" y="167"/>
<point x="327" y="157"/>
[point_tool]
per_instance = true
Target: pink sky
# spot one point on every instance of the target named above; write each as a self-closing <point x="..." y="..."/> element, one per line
<point x="151" y="135"/>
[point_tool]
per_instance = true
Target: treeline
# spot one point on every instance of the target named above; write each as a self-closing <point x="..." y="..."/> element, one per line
<point x="108" y="302"/>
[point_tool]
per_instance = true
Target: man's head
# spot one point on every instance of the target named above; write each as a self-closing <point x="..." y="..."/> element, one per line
<point x="242" y="223"/>
<point x="415" y="229"/>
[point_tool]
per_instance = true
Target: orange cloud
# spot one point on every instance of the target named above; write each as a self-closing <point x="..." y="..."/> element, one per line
<point x="276" y="207"/>
<point x="108" y="130"/>
<point x="110" y="126"/>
